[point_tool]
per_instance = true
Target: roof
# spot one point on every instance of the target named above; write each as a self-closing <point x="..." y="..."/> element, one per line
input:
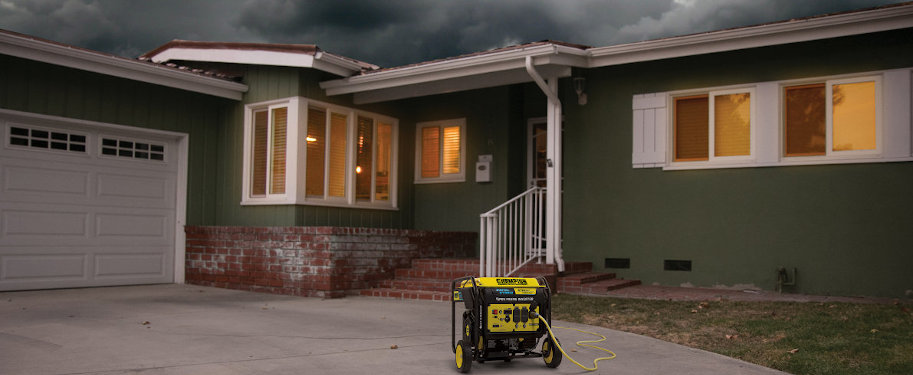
<point x="38" y="49"/>
<point x="295" y="55"/>
<point x="554" y="59"/>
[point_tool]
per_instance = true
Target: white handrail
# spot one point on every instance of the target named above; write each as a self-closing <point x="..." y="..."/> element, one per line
<point x="513" y="234"/>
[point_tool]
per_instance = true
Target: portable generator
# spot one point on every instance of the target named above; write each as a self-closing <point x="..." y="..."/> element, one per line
<point x="501" y="320"/>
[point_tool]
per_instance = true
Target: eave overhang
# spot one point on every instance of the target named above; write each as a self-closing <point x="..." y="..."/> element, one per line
<point x="474" y="72"/>
<point x="792" y="31"/>
<point x="52" y="53"/>
<point x="299" y="56"/>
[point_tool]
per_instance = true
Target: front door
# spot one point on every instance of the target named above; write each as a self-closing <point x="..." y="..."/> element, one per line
<point x="536" y="156"/>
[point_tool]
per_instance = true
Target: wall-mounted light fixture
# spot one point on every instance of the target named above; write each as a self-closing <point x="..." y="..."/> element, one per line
<point x="580" y="87"/>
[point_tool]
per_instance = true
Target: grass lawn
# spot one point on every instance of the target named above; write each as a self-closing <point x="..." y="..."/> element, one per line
<point x="799" y="338"/>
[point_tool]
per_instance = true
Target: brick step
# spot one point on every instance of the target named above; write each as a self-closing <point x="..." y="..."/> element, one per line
<point x="435" y="285"/>
<point x="407" y="294"/>
<point x="583" y="278"/>
<point x="458" y="264"/>
<point x="599" y="287"/>
<point x="412" y="273"/>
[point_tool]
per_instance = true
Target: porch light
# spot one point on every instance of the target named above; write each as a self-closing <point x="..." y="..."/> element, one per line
<point x="580" y="87"/>
<point x="311" y="139"/>
<point x="357" y="169"/>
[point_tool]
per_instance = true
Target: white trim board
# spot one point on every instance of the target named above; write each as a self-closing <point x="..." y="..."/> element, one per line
<point x="32" y="49"/>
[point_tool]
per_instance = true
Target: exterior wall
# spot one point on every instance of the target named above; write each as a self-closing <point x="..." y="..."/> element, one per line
<point x="324" y="262"/>
<point x="36" y="87"/>
<point x="845" y="227"/>
<point x="494" y="126"/>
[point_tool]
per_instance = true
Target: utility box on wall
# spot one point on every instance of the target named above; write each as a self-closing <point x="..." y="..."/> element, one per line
<point x="483" y="169"/>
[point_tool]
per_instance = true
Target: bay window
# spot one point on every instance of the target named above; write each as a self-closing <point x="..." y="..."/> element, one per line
<point x="301" y="151"/>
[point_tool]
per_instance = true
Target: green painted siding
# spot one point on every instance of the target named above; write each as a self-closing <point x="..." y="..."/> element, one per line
<point x="35" y="87"/>
<point x="494" y="126"/>
<point x="845" y="227"/>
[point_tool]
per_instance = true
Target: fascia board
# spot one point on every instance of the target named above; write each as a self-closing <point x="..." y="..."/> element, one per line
<point x="461" y="68"/>
<point x="113" y="66"/>
<point x="235" y="56"/>
<point x="491" y="79"/>
<point x="756" y="36"/>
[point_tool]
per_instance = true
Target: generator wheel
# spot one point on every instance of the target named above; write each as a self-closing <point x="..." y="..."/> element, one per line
<point x="550" y="353"/>
<point x="463" y="357"/>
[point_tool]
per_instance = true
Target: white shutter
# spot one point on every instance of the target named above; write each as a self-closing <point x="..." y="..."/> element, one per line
<point x="650" y="119"/>
<point x="896" y="120"/>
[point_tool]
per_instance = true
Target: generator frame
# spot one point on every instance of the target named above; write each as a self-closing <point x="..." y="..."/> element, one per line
<point x="489" y="335"/>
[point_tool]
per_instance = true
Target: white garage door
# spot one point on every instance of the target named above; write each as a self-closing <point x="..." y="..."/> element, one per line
<point x="85" y="205"/>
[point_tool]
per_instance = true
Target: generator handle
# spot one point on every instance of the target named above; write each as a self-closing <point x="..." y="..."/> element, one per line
<point x="548" y="293"/>
<point x="453" y="308"/>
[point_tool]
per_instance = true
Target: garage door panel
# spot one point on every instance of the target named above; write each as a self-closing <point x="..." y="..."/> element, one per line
<point x="43" y="267"/>
<point x="127" y="225"/>
<point x="45" y="180"/>
<point x="30" y="223"/>
<point x="135" y="190"/>
<point x="130" y="266"/>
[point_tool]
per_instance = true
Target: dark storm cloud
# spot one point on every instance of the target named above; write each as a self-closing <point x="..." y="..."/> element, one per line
<point x="390" y="33"/>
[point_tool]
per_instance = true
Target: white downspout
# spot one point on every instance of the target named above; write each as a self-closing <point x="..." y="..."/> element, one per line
<point x="553" y="253"/>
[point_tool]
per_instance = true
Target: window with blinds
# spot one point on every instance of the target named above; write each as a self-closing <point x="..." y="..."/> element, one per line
<point x="831" y="117"/>
<point x="716" y="125"/>
<point x="440" y="148"/>
<point x="270" y="129"/>
<point x="325" y="155"/>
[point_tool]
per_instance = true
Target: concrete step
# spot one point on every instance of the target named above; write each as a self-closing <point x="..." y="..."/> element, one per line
<point x="406" y="294"/>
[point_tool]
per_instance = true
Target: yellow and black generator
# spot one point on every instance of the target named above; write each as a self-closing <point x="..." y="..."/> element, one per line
<point x="501" y="320"/>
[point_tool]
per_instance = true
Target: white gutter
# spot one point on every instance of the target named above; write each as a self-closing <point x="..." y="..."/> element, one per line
<point x="27" y="48"/>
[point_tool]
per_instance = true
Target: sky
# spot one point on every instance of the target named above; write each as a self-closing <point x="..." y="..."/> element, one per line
<point x="391" y="32"/>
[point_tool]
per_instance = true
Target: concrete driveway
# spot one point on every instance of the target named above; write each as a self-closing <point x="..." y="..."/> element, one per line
<point x="185" y="329"/>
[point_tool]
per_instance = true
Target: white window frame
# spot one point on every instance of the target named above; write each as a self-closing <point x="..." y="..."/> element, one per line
<point x="893" y="128"/>
<point x="291" y="149"/>
<point x="712" y="159"/>
<point x="296" y="157"/>
<point x="443" y="178"/>
<point x="829" y="115"/>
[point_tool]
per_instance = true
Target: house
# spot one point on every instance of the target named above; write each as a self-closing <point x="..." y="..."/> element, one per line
<point x="731" y="158"/>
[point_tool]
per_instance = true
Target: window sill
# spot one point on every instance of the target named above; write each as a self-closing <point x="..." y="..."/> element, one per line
<point x="786" y="162"/>
<point x="365" y="206"/>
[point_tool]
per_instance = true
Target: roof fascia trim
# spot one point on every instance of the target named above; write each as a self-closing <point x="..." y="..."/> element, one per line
<point x="474" y="65"/>
<point x="118" y="67"/>
<point x="321" y="61"/>
<point x="755" y="36"/>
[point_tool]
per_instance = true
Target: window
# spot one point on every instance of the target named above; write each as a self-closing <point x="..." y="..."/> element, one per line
<point x="852" y="118"/>
<point x="832" y="118"/>
<point x="132" y="150"/>
<point x="440" y="151"/>
<point x="269" y="143"/>
<point x="714" y="126"/>
<point x="44" y="139"/>
<point x="300" y="151"/>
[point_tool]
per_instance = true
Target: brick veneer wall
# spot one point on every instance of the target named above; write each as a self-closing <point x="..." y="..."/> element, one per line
<point x="324" y="262"/>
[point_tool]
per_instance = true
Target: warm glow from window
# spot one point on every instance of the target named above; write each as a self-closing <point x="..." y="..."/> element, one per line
<point x="316" y="152"/>
<point x="732" y="124"/>
<point x="805" y="120"/>
<point x="277" y="167"/>
<point x="260" y="153"/>
<point x="384" y="155"/>
<point x="311" y="139"/>
<point x="338" y="139"/>
<point x="692" y="118"/>
<point x="451" y="155"/>
<point x="431" y="151"/>
<point x="854" y="116"/>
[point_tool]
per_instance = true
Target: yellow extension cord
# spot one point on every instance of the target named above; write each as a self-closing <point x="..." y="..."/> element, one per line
<point x="580" y="343"/>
